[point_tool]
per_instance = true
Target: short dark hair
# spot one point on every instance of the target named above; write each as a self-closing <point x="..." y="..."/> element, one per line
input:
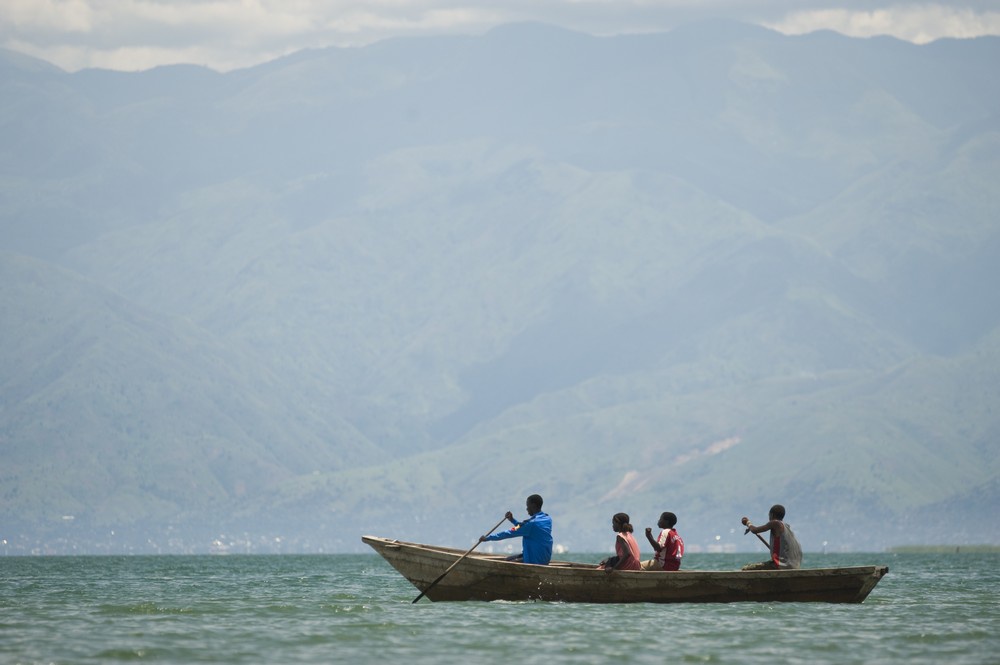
<point x="669" y="518"/>
<point x="778" y="511"/>
<point x="535" y="500"/>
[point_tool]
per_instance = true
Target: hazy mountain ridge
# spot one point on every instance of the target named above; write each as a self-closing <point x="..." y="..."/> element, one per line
<point x="531" y="260"/>
<point x="113" y="414"/>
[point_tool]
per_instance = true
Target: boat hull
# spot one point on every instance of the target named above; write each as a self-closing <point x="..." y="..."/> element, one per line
<point x="491" y="577"/>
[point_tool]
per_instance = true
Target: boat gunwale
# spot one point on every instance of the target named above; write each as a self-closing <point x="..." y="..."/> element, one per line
<point x="560" y="567"/>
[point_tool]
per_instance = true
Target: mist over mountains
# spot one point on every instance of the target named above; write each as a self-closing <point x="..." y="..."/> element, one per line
<point x="396" y="289"/>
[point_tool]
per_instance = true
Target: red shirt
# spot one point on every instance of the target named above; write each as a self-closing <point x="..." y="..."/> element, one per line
<point x="671" y="550"/>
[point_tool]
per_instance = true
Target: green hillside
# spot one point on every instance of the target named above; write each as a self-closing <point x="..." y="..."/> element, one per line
<point x="113" y="414"/>
<point x="396" y="289"/>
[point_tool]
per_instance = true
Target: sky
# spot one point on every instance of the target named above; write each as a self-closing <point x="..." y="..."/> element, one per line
<point x="133" y="35"/>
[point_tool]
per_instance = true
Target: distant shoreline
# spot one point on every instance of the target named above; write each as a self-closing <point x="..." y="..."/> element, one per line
<point x="944" y="549"/>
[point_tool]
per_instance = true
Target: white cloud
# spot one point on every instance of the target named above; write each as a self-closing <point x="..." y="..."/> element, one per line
<point x="226" y="34"/>
<point x="919" y="24"/>
<point x="46" y="16"/>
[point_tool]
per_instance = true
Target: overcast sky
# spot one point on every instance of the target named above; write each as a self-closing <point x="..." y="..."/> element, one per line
<point x="228" y="34"/>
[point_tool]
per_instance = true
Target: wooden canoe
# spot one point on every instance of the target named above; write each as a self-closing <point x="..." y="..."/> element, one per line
<point x="492" y="577"/>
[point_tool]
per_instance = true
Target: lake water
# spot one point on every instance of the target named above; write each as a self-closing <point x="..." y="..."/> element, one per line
<point x="355" y="608"/>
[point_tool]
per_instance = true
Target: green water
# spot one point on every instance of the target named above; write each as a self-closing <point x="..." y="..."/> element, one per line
<point x="931" y="608"/>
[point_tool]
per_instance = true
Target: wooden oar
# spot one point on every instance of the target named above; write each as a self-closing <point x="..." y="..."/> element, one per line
<point x="761" y="539"/>
<point x="457" y="561"/>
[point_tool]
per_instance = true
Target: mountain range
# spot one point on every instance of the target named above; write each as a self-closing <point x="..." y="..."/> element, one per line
<point x="396" y="289"/>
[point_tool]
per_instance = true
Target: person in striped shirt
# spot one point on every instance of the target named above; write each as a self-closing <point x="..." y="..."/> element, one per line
<point x="669" y="546"/>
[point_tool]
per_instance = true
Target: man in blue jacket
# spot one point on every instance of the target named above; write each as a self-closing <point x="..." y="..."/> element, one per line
<point x="535" y="533"/>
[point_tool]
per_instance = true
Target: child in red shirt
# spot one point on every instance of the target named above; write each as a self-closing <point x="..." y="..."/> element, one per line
<point x="669" y="547"/>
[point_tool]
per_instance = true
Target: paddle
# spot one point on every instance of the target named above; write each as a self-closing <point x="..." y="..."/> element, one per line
<point x="457" y="561"/>
<point x="759" y="537"/>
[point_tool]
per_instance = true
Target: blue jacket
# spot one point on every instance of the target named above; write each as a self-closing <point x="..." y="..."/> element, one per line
<point x="536" y="535"/>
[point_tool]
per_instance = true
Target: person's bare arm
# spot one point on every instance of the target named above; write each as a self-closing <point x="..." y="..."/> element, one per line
<point x="773" y="524"/>
<point x="652" y="541"/>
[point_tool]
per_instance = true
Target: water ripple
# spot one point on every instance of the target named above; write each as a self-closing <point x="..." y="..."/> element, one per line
<point x="316" y="609"/>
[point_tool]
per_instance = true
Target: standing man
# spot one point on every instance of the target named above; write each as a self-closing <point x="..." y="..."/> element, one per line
<point x="535" y="533"/>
